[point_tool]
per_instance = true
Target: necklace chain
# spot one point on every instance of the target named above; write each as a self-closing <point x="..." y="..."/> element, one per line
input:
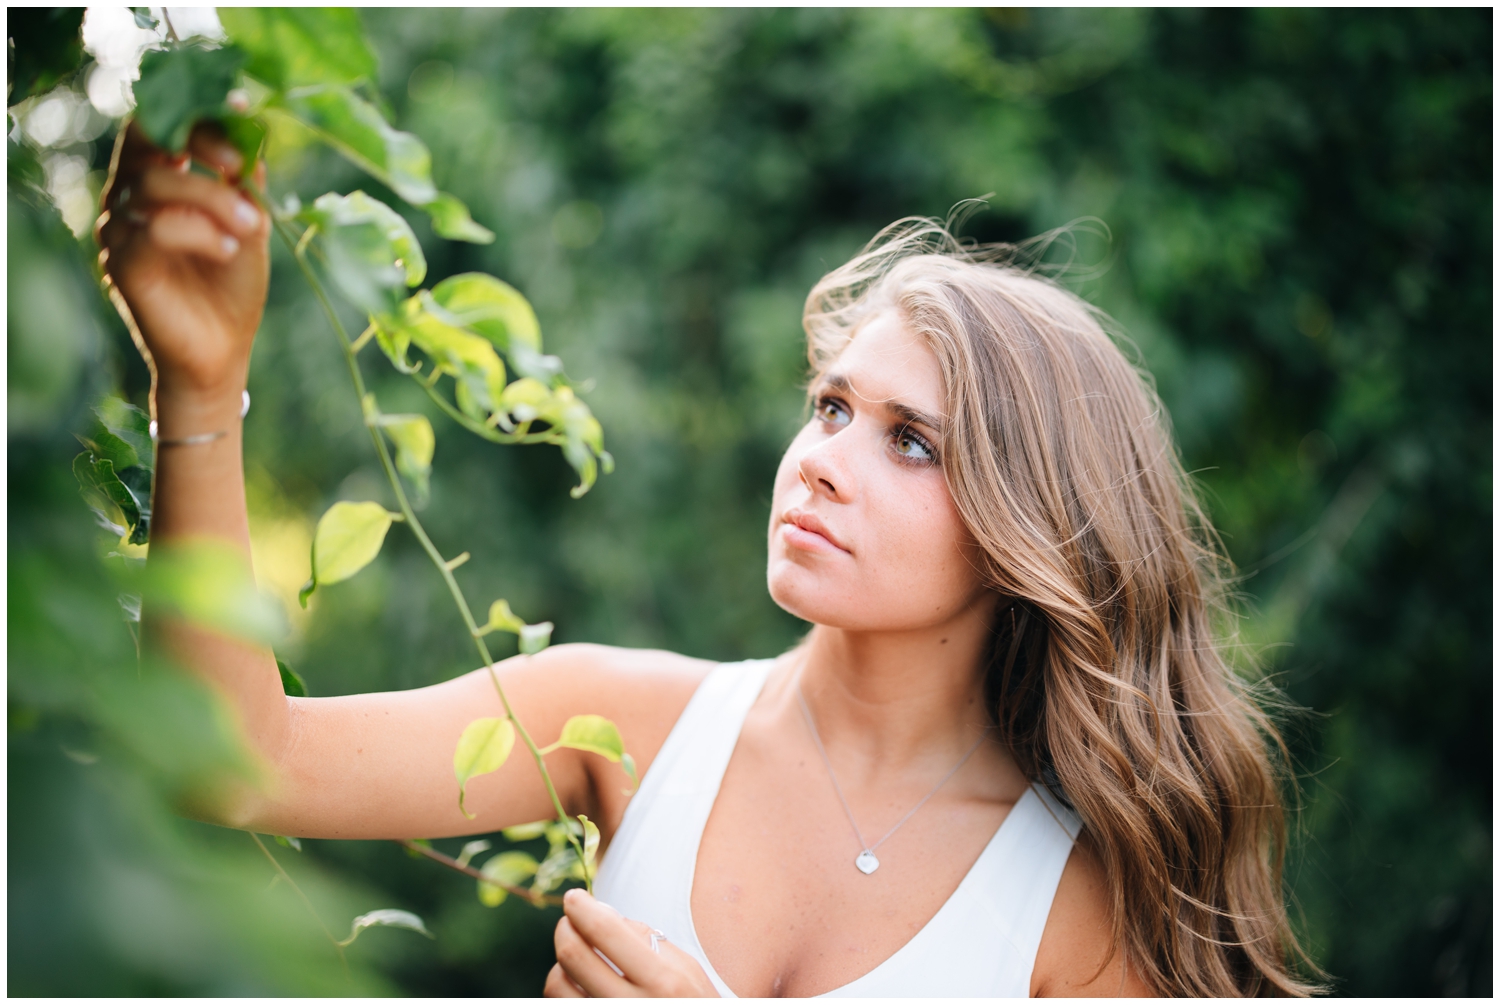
<point x="869" y="850"/>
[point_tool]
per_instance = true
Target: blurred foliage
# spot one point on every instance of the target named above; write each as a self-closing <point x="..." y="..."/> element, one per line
<point x="1300" y="210"/>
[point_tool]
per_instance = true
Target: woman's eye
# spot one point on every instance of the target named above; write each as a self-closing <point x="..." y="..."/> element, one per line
<point x="913" y="447"/>
<point x="832" y="412"/>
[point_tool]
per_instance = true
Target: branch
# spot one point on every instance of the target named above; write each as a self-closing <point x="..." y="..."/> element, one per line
<point x="537" y="899"/>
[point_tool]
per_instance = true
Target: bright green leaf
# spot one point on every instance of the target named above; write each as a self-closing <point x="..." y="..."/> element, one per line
<point x="483" y="747"/>
<point x="451" y="219"/>
<point x="535" y="638"/>
<point x="414" y="440"/>
<point x="470" y="849"/>
<point x="288" y="842"/>
<point x="389" y="917"/>
<point x="628" y="763"/>
<point x="590" y="843"/>
<point x="509" y="867"/>
<point x="526" y="832"/>
<point x="348" y="538"/>
<point x="296" y="46"/>
<point x="503" y="619"/>
<point x="356" y="129"/>
<point x="558" y="867"/>
<point x="181" y="85"/>
<point x="592" y="733"/>
<point x="291" y="681"/>
<point x="369" y="250"/>
<point x="488" y="307"/>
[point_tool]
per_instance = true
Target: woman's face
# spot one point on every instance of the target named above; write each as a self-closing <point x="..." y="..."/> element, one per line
<point x="864" y="534"/>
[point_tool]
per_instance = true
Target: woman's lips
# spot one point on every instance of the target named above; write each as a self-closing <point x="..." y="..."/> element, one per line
<point x="804" y="530"/>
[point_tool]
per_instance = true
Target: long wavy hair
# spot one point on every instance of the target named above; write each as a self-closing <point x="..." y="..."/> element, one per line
<point x="1106" y="678"/>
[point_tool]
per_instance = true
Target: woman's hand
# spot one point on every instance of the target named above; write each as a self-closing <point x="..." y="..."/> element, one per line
<point x="590" y="927"/>
<point x="188" y="255"/>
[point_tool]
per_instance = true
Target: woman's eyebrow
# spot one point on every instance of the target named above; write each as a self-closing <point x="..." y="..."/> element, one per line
<point x="908" y="415"/>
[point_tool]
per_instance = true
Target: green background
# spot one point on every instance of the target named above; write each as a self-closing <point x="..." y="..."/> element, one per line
<point x="1299" y="214"/>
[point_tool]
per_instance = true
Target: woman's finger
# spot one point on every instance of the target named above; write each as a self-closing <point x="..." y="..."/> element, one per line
<point x="185" y="230"/>
<point x="161" y="185"/>
<point x="585" y="967"/>
<point x="559" y="986"/>
<point x="209" y="146"/>
<point x="626" y="942"/>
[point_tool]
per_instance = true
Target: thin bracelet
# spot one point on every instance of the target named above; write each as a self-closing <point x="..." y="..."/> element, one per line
<point x="199" y="438"/>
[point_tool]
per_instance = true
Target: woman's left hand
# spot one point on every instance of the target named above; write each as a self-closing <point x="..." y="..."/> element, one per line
<point x="590" y="927"/>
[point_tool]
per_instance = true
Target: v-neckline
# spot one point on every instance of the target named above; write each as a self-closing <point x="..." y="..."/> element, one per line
<point x="713" y="973"/>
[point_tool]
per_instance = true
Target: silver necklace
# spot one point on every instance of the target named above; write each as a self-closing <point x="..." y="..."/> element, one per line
<point x="865" y="861"/>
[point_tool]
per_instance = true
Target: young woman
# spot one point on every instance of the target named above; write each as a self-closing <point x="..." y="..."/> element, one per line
<point x="1007" y="760"/>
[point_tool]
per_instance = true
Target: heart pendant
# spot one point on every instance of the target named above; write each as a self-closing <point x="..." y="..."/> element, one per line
<point x="867" y="862"/>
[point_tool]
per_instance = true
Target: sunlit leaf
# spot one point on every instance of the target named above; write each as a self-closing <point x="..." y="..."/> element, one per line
<point x="503" y="619"/>
<point x="114" y="508"/>
<point x="488" y="307"/>
<point x="356" y="129"/>
<point x="526" y="832"/>
<point x="291" y="681"/>
<point x="348" y="538"/>
<point x="483" y="747"/>
<point x="510" y="867"/>
<point x="557" y="868"/>
<point x="181" y="85"/>
<point x="297" y="46"/>
<point x="288" y="842"/>
<point x="628" y="763"/>
<point x="470" y="849"/>
<point x="388" y="917"/>
<point x="115" y="475"/>
<point x="535" y="638"/>
<point x="590" y="843"/>
<point x="369" y="250"/>
<point x="451" y="219"/>
<point x="592" y="733"/>
<point x="414" y="440"/>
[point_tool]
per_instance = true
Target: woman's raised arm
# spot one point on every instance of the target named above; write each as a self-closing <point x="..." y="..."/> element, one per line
<point x="186" y="256"/>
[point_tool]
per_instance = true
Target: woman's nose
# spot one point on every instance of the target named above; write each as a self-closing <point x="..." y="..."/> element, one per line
<point x="822" y="471"/>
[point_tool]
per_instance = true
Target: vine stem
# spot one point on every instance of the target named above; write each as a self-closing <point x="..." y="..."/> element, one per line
<point x="337" y="946"/>
<point x="538" y="899"/>
<point x="346" y="344"/>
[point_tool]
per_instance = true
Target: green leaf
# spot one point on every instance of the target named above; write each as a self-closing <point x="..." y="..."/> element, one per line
<point x="388" y="917"/>
<point x="486" y="306"/>
<point x="628" y="763"/>
<point x="590" y="843"/>
<point x="296" y="46"/>
<point x="115" y="508"/>
<point x="291" y="681"/>
<point x="180" y="86"/>
<point x="470" y="849"/>
<point x="510" y="867"/>
<point x="288" y="842"/>
<point x="535" y="638"/>
<point x="369" y="250"/>
<point x="415" y="442"/>
<point x="451" y="219"/>
<point x="503" y="619"/>
<point x="483" y="747"/>
<point x="357" y="130"/>
<point x="348" y="538"/>
<point x="526" y="832"/>
<point x="246" y="133"/>
<point x="557" y="868"/>
<point x="129" y="423"/>
<point x="592" y="733"/>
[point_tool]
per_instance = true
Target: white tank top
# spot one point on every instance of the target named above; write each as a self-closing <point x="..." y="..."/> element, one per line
<point x="981" y="943"/>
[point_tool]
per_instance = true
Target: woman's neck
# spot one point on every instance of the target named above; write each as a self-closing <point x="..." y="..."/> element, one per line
<point x="895" y="697"/>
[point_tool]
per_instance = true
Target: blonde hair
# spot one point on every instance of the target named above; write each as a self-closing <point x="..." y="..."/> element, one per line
<point x="1106" y="679"/>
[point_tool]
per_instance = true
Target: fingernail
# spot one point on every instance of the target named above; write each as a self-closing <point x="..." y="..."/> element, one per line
<point x="245" y="213"/>
<point x="229" y="244"/>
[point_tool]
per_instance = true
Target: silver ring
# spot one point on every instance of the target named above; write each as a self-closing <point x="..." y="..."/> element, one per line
<point x="657" y="938"/>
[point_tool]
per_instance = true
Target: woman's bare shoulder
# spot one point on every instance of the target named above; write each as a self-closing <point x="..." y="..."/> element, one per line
<point x="1077" y="957"/>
